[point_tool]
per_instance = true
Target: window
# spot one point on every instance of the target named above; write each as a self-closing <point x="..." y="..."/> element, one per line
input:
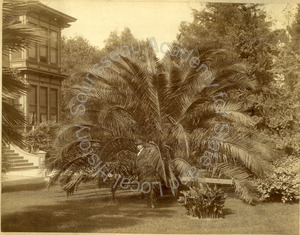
<point x="53" y="105"/>
<point x="44" y="47"/>
<point x="32" y="52"/>
<point x="54" y="47"/>
<point x="53" y="56"/>
<point x="43" y="53"/>
<point x="32" y="102"/>
<point x="43" y="104"/>
<point x="54" y="39"/>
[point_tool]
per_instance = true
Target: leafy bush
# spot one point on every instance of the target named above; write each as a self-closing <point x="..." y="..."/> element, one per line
<point x="284" y="183"/>
<point x="203" y="202"/>
<point x="42" y="137"/>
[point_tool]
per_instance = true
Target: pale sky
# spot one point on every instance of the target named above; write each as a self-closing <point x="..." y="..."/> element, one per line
<point x="96" y="18"/>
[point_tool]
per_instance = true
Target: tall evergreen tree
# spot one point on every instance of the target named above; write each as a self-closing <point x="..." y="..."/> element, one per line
<point x="242" y="28"/>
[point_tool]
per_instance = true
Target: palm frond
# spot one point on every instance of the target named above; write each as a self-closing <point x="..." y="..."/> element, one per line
<point x="13" y="84"/>
<point x="13" y="122"/>
<point x="178" y="139"/>
<point x="72" y="185"/>
<point x="116" y="145"/>
<point x="242" y="180"/>
<point x="180" y="167"/>
<point x="150" y="156"/>
<point x="241" y="150"/>
<point x="17" y="35"/>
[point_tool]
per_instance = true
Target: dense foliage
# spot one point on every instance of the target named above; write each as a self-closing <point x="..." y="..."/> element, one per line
<point x="42" y="137"/>
<point x="203" y="202"/>
<point x="284" y="183"/>
<point x="240" y="27"/>
<point x="294" y="31"/>
<point x="274" y="59"/>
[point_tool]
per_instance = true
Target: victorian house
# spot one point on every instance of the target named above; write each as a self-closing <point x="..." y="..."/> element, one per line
<point x="40" y="65"/>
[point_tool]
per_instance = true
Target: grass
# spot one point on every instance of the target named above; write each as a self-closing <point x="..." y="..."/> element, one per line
<point x="28" y="207"/>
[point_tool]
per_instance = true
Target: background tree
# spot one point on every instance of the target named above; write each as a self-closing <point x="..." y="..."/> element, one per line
<point x="242" y="28"/>
<point x="271" y="55"/>
<point x="294" y="31"/>
<point x="79" y="55"/>
<point x="115" y="41"/>
<point x="280" y="105"/>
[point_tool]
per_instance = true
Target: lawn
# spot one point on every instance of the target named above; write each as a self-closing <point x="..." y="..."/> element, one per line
<point x="28" y="207"/>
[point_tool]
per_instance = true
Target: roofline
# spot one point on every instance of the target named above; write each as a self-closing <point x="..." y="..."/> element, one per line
<point x="65" y="16"/>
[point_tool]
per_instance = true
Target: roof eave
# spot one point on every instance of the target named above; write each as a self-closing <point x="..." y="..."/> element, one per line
<point x="66" y="17"/>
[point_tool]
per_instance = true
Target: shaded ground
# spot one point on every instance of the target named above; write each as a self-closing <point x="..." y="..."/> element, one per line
<point x="28" y="207"/>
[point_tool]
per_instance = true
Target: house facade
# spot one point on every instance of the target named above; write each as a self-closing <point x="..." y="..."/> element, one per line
<point x="41" y="65"/>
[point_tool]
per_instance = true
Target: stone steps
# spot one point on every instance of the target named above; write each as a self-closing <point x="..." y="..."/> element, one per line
<point x="17" y="162"/>
<point x="21" y="168"/>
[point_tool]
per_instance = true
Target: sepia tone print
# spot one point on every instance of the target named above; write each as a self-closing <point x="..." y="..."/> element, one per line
<point x="150" y="117"/>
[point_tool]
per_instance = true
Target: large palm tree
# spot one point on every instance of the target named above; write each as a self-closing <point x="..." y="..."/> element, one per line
<point x="164" y="107"/>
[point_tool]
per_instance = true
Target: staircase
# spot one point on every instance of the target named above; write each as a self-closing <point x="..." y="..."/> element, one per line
<point x="15" y="161"/>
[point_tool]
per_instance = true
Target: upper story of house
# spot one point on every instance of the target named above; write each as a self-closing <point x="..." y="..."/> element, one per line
<point x="45" y="56"/>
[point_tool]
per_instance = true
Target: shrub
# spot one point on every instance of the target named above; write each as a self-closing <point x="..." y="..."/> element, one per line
<point x="203" y="202"/>
<point x="283" y="184"/>
<point x="42" y="137"/>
